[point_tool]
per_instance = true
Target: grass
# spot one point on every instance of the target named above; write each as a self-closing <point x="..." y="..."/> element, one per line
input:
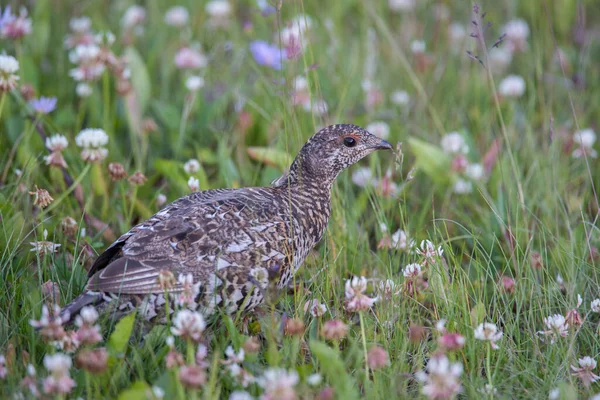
<point x="536" y="201"/>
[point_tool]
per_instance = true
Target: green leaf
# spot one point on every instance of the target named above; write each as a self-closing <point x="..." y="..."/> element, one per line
<point x="120" y="337"/>
<point x="140" y="79"/>
<point x="269" y="156"/>
<point x="137" y="391"/>
<point x="168" y="114"/>
<point x="333" y="368"/>
<point x="431" y="160"/>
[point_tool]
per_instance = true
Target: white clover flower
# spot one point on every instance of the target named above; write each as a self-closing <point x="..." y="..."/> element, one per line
<point x="191" y="166"/>
<point x="87" y="316"/>
<point x="314" y="379"/>
<point x="92" y="142"/>
<point x="80" y="25"/>
<point x="58" y="363"/>
<point x="177" y="16"/>
<point x="379" y="128"/>
<point x="363" y="177"/>
<point x="193" y="184"/>
<point x="474" y="171"/>
<point x="356" y="300"/>
<point x="441" y="381"/>
<point x="517" y="32"/>
<point x="411" y="270"/>
<point x="158" y="392"/>
<point x="584" y="371"/>
<point x="457" y="33"/>
<point x="400" y="240"/>
<point x="278" y="383"/>
<point x="428" y="251"/>
<point x="417" y="46"/>
<point x="56" y="142"/>
<point x="133" y="16"/>
<point x="220" y="9"/>
<point x="400" y="98"/>
<point x="512" y="86"/>
<point x="585" y="140"/>
<point x="462" y="186"/>
<point x="83" y="90"/>
<point x="188" y="324"/>
<point x="295" y="30"/>
<point x="488" y="332"/>
<point x="557" y="326"/>
<point x="84" y="53"/>
<point x="300" y="83"/>
<point x="9" y="66"/>
<point x="454" y="143"/>
<point x="317" y="106"/>
<point x="402" y="5"/>
<point x="554" y="394"/>
<point x="240" y="395"/>
<point x="355" y="286"/>
<point x="315" y="307"/>
<point x="595" y="305"/>
<point x="161" y="200"/>
<point x="194" y="83"/>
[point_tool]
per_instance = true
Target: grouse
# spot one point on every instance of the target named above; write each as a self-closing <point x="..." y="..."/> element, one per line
<point x="227" y="245"/>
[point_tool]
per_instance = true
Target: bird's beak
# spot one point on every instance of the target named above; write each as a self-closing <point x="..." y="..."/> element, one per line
<point x="383" y="145"/>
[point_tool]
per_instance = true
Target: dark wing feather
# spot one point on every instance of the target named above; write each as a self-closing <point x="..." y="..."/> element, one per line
<point x="187" y="236"/>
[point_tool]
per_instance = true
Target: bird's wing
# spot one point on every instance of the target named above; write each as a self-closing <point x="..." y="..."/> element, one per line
<point x="199" y="234"/>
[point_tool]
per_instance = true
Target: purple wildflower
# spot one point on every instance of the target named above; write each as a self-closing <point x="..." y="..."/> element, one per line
<point x="267" y="54"/>
<point x="43" y="105"/>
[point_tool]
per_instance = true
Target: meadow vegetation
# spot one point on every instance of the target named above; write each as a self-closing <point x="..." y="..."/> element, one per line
<point x="462" y="265"/>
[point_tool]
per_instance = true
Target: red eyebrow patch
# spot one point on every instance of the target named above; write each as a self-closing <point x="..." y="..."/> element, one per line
<point x="352" y="135"/>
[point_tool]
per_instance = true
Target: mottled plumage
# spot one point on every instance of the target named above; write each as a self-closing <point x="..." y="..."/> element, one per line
<point x="235" y="242"/>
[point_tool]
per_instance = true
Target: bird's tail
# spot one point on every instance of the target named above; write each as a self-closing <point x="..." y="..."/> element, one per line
<point x="72" y="309"/>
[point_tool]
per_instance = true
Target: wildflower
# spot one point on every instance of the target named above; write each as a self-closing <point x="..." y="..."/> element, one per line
<point x="507" y="283"/>
<point x="149" y="125"/>
<point x="80" y="32"/>
<point x="92" y="142"/>
<point x="387" y="288"/>
<point x="82" y="24"/>
<point x="474" y="171"/>
<point x="83" y="90"/>
<point x="314" y="379"/>
<point x="187" y="297"/>
<point x="412" y="270"/>
<point x="56" y="143"/>
<point x="138" y="178"/>
<point x="595" y="305"/>
<point x="402" y="5"/>
<point x="251" y="345"/>
<point x="334" y="330"/>
<point x="161" y="200"/>
<point x="8" y="69"/>
<point x="267" y="54"/>
<point x="88" y="331"/>
<point x="189" y="58"/>
<point x="193" y="184"/>
<point x="356" y="300"/>
<point x="173" y="358"/>
<point x="377" y="357"/>
<point x="30" y="381"/>
<point x="192" y="376"/>
<point x="318" y="107"/>
<point x="189" y="325"/>
<point x="166" y="279"/>
<point x="279" y="384"/>
<point x="177" y="16"/>
<point x="69" y="226"/>
<point x="454" y="143"/>
<point x="69" y="343"/>
<point x="428" y="251"/>
<point x="317" y="309"/>
<point x="499" y="58"/>
<point x="293" y="327"/>
<point x="512" y="86"/>
<point x="93" y="361"/>
<point x="156" y="393"/>
<point x="232" y="357"/>
<point x="457" y="33"/>
<point x="488" y="390"/>
<point x="3" y="371"/>
<point x="191" y="166"/>
<point x="585" y="140"/>
<point x="50" y="324"/>
<point x="400" y="98"/>
<point x="240" y="395"/>
<point x="451" y="341"/>
<point x="441" y="381"/>
<point x="219" y="12"/>
<point x="59" y="382"/>
<point x="134" y="15"/>
<point x="44" y="246"/>
<point x="554" y="394"/>
<point x="417" y="46"/>
<point x="116" y="171"/>
<point x="363" y="177"/>
<point x="43" y="105"/>
<point x="584" y="371"/>
<point x="517" y="32"/>
<point x="488" y="332"/>
<point x="557" y="327"/>
<point x="379" y="128"/>
<point x="327" y="393"/>
<point x="89" y="65"/>
<point x="41" y="197"/>
<point x="14" y="27"/>
<point x="194" y="83"/>
<point x="462" y="186"/>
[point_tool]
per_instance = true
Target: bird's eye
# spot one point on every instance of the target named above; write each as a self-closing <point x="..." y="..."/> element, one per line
<point x="349" y="141"/>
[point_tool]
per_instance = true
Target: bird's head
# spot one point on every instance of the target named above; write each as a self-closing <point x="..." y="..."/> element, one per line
<point x="331" y="150"/>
